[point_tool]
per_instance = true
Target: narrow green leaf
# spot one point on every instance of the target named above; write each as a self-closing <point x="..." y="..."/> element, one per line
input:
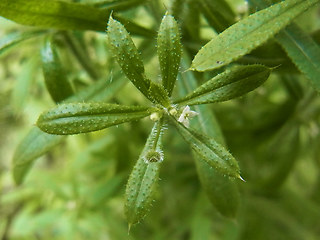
<point x="169" y="52"/>
<point x="55" y="75"/>
<point x="248" y="34"/>
<point x="143" y="179"/>
<point x="210" y="151"/>
<point x="63" y="15"/>
<point x="127" y="55"/>
<point x="35" y="144"/>
<point x="74" y="118"/>
<point x="12" y="39"/>
<point x="54" y="14"/>
<point x="230" y="84"/>
<point x="300" y="47"/>
<point x="221" y="191"/>
<point x="303" y="51"/>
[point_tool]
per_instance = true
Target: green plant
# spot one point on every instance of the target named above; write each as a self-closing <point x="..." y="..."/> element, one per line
<point x="239" y="58"/>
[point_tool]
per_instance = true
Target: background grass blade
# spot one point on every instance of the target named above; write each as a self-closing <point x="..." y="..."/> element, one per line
<point x="54" y="72"/>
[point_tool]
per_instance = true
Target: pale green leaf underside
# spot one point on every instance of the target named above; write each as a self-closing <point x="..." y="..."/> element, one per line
<point x="230" y="84"/>
<point x="214" y="154"/>
<point x="74" y="118"/>
<point x="248" y="34"/>
<point x="142" y="182"/>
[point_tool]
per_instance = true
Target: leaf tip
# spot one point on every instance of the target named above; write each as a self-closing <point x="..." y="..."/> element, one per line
<point x="239" y="176"/>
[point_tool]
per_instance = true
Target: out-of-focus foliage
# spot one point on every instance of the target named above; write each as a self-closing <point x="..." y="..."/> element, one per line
<point x="73" y="187"/>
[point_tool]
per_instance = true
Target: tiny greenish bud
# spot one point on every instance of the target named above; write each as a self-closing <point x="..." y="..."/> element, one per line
<point x="155" y="116"/>
<point x="173" y="111"/>
<point x="153" y="156"/>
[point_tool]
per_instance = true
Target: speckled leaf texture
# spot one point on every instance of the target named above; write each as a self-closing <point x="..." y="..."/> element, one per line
<point x="214" y="154"/>
<point x="247" y="34"/>
<point x="143" y="180"/>
<point x="230" y="84"/>
<point x="169" y="52"/>
<point x="127" y="55"/>
<point x="36" y="142"/>
<point x="222" y="191"/>
<point x="304" y="52"/>
<point x="74" y="118"/>
<point x="300" y="47"/>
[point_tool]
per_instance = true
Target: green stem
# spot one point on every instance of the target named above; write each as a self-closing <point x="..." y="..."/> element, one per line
<point x="157" y="137"/>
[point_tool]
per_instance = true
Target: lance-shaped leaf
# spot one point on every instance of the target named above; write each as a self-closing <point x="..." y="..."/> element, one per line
<point x="300" y="47"/>
<point x="36" y="142"/>
<point x="169" y="52"/>
<point x="74" y="118"/>
<point x="11" y="39"/>
<point x="221" y="190"/>
<point x="248" y="34"/>
<point x="62" y="15"/>
<point x="143" y="179"/>
<point x="55" y="14"/>
<point x="230" y="84"/>
<point x="214" y="154"/>
<point x="54" y="73"/>
<point x="127" y="55"/>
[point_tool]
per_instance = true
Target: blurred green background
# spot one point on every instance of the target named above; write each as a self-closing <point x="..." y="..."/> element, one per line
<point x="75" y="191"/>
